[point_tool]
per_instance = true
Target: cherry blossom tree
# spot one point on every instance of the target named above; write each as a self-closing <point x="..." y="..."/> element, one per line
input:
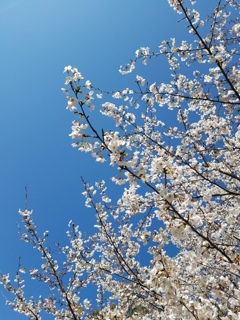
<point x="177" y="181"/>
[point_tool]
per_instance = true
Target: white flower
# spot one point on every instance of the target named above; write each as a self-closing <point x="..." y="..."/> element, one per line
<point x="117" y="95"/>
<point x="236" y="29"/>
<point x="64" y="90"/>
<point x="106" y="199"/>
<point x="169" y="197"/>
<point x="99" y="95"/>
<point x="72" y="103"/>
<point x="67" y="69"/>
<point x="140" y="80"/>
<point x="88" y="84"/>
<point x="86" y="303"/>
<point x="33" y="271"/>
<point x="25" y="213"/>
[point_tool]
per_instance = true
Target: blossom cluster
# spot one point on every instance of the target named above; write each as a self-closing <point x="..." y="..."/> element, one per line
<point x="181" y="187"/>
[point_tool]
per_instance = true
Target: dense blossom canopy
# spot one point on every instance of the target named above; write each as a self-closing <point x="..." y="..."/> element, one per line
<point x="177" y="181"/>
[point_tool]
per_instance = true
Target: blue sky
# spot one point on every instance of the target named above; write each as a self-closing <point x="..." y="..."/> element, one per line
<point x="38" y="39"/>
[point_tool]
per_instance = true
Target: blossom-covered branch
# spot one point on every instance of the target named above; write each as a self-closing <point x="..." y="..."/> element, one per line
<point x="176" y="182"/>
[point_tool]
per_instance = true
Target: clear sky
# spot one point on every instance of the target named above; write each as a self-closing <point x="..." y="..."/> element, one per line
<point x="38" y="39"/>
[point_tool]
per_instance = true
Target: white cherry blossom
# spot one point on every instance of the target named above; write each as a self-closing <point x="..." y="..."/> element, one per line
<point x="176" y="181"/>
